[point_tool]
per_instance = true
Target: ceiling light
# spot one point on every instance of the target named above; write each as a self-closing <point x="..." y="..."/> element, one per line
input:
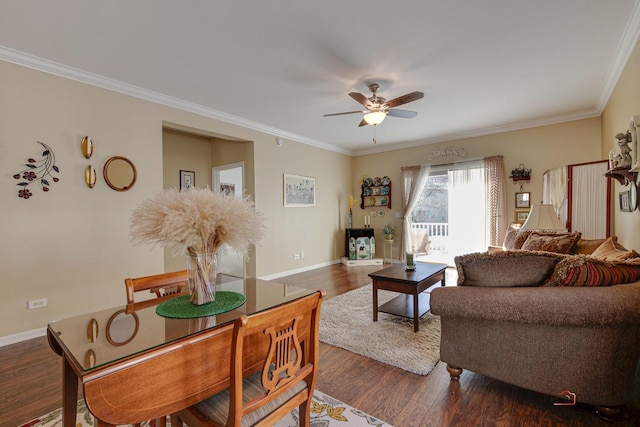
<point x="375" y="117"/>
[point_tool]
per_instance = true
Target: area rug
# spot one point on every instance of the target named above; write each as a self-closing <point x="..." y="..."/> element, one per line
<point x="325" y="412"/>
<point x="346" y="321"/>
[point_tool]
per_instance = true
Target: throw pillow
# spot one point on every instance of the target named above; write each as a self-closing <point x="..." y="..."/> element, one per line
<point x="585" y="270"/>
<point x="560" y="243"/>
<point x="514" y="239"/>
<point x="610" y="252"/>
<point x="587" y="246"/>
<point x="505" y="269"/>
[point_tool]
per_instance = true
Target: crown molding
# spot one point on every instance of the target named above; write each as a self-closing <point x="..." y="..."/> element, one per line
<point x="587" y="114"/>
<point x="60" y="70"/>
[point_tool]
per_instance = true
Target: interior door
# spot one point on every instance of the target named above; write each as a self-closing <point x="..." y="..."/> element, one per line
<point x="229" y="179"/>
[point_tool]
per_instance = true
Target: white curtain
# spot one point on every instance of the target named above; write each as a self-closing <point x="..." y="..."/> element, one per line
<point x="466" y="201"/>
<point x="556" y="191"/>
<point x="589" y="201"/>
<point x="413" y="181"/>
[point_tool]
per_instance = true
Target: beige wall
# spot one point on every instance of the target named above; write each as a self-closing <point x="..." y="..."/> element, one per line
<point x="623" y="104"/>
<point x="184" y="151"/>
<point x="538" y="148"/>
<point x="72" y="244"/>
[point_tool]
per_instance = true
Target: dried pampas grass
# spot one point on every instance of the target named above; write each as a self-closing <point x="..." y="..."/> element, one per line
<point x="196" y="221"/>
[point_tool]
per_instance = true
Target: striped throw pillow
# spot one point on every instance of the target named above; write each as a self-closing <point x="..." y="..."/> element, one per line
<point x="584" y="270"/>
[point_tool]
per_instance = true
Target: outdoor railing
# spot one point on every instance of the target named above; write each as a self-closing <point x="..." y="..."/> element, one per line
<point x="438" y="234"/>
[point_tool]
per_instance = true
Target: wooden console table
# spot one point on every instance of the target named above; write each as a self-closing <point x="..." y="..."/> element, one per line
<point x="412" y="302"/>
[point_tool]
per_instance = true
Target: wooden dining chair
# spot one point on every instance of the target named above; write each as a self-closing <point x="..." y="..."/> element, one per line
<point x="282" y="343"/>
<point x="165" y="285"/>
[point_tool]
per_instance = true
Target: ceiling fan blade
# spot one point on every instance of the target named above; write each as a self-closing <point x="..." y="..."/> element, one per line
<point x="404" y="99"/>
<point x="405" y="114"/>
<point x="363" y="123"/>
<point x="340" y="114"/>
<point x="361" y="99"/>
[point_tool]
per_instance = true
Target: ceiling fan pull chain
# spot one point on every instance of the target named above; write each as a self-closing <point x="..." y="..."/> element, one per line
<point x="374" y="134"/>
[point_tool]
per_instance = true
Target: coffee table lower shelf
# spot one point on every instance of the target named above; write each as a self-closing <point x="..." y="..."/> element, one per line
<point x="402" y="305"/>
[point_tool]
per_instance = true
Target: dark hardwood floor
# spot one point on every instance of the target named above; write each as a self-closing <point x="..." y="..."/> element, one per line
<point x="30" y="382"/>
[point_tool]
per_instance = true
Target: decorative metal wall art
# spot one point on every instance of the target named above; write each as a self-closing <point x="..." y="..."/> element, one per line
<point x="521" y="173"/>
<point x="38" y="171"/>
<point x="448" y="151"/>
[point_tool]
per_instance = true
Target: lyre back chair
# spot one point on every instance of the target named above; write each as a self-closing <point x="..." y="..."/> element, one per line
<point x="165" y="285"/>
<point x="282" y="345"/>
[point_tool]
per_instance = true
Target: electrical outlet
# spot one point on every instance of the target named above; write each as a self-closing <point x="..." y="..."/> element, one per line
<point x="296" y="256"/>
<point x="37" y="303"/>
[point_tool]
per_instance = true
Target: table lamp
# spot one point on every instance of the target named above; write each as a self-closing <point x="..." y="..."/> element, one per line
<point x="543" y="218"/>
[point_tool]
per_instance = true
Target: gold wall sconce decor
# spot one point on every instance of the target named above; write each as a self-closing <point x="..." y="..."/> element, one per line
<point x="89" y="359"/>
<point x="87" y="147"/>
<point x="90" y="176"/>
<point x="92" y="330"/>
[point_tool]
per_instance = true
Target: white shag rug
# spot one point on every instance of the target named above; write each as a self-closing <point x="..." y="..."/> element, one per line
<point x="346" y="321"/>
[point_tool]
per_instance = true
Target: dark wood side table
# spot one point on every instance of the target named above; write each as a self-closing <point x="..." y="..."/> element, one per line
<point x="413" y="303"/>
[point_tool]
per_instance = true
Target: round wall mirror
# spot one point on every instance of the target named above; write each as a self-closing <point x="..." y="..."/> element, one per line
<point x="122" y="327"/>
<point x="633" y="196"/>
<point x="119" y="173"/>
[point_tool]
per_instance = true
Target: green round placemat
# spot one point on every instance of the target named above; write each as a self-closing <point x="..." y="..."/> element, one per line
<point x="181" y="307"/>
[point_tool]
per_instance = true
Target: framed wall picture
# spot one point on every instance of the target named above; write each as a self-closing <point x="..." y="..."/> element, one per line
<point x="520" y="215"/>
<point x="625" y="205"/>
<point x="523" y="200"/>
<point x="187" y="180"/>
<point x="299" y="191"/>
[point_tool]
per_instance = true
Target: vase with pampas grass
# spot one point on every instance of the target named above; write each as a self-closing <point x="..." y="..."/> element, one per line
<point x="197" y="222"/>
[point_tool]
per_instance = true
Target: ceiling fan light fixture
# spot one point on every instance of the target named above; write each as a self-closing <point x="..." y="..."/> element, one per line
<point x="375" y="117"/>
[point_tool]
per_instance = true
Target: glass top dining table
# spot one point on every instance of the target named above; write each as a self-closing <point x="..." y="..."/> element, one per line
<point x="96" y="339"/>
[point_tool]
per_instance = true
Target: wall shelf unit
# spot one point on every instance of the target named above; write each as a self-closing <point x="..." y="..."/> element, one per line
<point x="622" y="175"/>
<point x="376" y="192"/>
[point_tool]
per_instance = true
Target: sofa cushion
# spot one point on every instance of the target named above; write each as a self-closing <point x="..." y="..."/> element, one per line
<point x="505" y="269"/>
<point x="609" y="251"/>
<point x="561" y="243"/>
<point x="586" y="270"/>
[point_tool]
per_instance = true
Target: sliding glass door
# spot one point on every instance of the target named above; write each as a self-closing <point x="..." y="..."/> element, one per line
<point x="451" y="210"/>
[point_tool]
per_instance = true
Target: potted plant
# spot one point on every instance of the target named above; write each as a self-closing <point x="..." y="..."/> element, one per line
<point x="388" y="231"/>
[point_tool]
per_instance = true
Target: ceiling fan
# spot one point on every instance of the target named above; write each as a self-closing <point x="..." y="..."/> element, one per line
<point x="377" y="108"/>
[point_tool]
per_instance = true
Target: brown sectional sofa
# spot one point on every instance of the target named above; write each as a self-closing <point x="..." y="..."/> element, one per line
<point x="545" y="322"/>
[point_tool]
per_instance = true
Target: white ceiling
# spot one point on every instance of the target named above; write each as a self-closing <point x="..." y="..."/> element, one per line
<point x="278" y="65"/>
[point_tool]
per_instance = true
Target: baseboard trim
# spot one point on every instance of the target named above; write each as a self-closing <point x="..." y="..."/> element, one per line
<point x="299" y="270"/>
<point x="22" y="336"/>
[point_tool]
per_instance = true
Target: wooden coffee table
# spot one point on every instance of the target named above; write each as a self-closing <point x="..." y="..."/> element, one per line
<point x="413" y="303"/>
